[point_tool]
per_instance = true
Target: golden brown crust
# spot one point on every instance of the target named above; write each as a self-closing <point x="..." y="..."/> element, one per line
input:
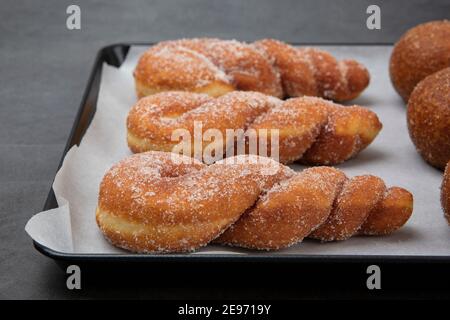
<point x="420" y="52"/>
<point x="248" y="68"/>
<point x="297" y="74"/>
<point x="314" y="72"/>
<point x="201" y="65"/>
<point x="311" y="129"/>
<point x="429" y="118"/>
<point x="163" y="202"/>
<point x="162" y="68"/>
<point x="348" y="131"/>
<point x="268" y="66"/>
<point x="389" y="214"/>
<point x="358" y="197"/>
<point x="287" y="213"/>
<point x="445" y="193"/>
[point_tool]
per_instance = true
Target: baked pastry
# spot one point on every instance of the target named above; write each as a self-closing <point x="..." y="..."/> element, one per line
<point x="445" y="193"/>
<point x="214" y="67"/>
<point x="164" y="202"/>
<point x="312" y="130"/>
<point x="429" y="118"/>
<point x="420" y="52"/>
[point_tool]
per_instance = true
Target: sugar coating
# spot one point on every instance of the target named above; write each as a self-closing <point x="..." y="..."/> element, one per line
<point x="428" y="117"/>
<point x="267" y="66"/>
<point x="420" y="52"/>
<point x="311" y="129"/>
<point x="163" y="202"/>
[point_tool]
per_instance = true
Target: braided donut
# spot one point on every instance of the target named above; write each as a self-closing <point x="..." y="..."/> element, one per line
<point x="312" y="130"/>
<point x="445" y="193"/>
<point x="164" y="202"/>
<point x="268" y="66"/>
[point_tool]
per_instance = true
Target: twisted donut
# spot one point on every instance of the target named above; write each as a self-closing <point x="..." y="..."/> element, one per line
<point x="268" y="66"/>
<point x="164" y="202"/>
<point x="311" y="129"/>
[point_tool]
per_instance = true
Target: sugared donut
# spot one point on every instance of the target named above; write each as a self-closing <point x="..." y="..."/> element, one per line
<point x="429" y="118"/>
<point x="164" y="202"/>
<point x="161" y="202"/>
<point x="210" y="66"/>
<point x="420" y="52"/>
<point x="215" y="67"/>
<point x="445" y="193"/>
<point x="310" y="129"/>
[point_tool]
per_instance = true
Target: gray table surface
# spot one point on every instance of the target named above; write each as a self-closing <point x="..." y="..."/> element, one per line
<point x="44" y="69"/>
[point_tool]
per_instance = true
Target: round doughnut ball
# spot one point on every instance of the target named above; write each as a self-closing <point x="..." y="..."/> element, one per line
<point x="445" y="193"/>
<point x="429" y="118"/>
<point x="420" y="52"/>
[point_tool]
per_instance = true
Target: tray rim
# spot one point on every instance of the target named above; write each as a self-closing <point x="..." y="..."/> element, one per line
<point x="205" y="258"/>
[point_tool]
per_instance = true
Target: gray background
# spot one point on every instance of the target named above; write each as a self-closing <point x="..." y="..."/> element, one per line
<point x="44" y="68"/>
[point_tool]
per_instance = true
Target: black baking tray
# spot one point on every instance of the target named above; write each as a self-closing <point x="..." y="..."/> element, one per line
<point x="343" y="264"/>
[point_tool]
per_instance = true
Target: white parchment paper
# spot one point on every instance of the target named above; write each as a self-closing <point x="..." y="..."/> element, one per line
<point x="71" y="228"/>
